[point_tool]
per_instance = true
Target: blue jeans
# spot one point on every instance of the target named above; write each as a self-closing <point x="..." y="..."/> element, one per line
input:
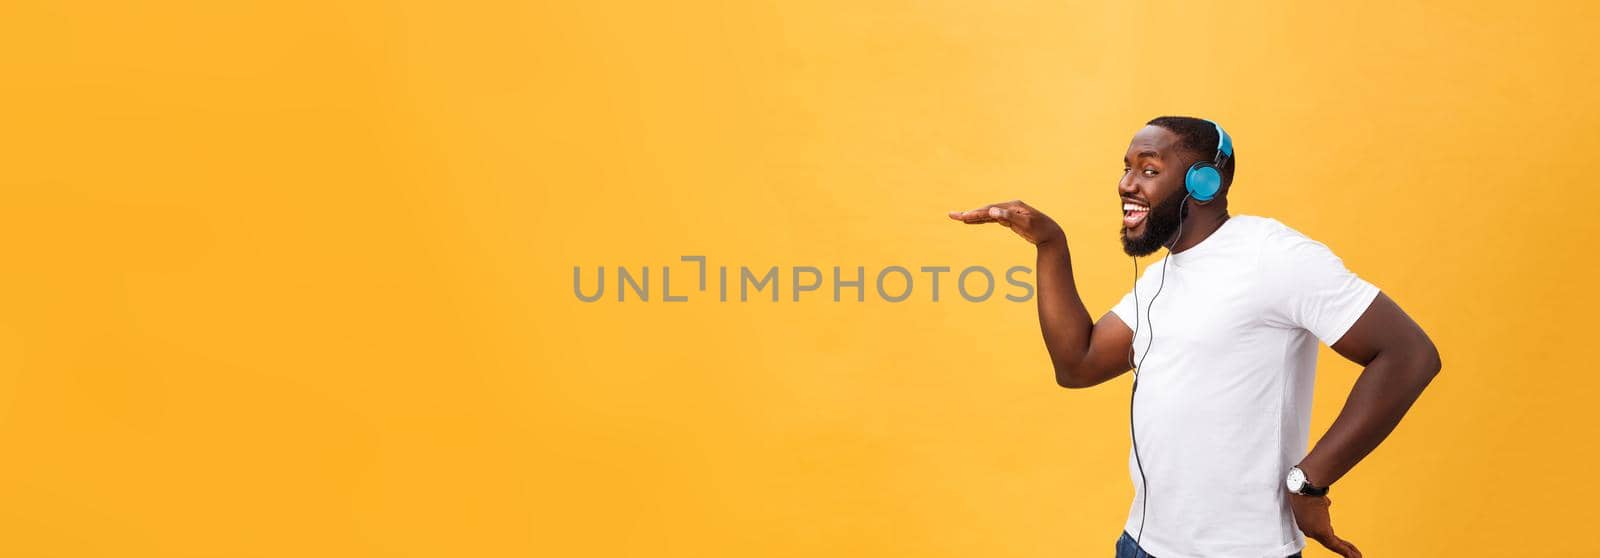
<point x="1126" y="548"/>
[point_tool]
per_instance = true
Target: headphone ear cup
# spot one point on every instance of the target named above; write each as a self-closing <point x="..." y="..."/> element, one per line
<point x="1203" y="181"/>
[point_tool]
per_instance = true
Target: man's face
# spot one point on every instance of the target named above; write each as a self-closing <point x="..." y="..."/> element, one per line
<point x="1151" y="189"/>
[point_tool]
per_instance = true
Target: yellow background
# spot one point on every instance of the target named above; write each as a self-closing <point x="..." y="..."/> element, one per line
<point x="294" y="278"/>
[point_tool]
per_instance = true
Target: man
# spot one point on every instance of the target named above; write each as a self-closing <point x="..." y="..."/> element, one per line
<point x="1224" y="348"/>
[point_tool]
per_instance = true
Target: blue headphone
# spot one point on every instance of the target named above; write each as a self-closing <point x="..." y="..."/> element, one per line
<point x="1204" y="178"/>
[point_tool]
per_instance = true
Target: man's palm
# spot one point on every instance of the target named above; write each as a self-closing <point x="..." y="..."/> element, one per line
<point x="1027" y="222"/>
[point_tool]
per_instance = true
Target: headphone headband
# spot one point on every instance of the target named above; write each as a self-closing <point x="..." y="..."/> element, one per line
<point x="1224" y="146"/>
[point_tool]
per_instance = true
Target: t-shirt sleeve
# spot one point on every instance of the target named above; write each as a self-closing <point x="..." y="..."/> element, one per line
<point x="1125" y="310"/>
<point x="1311" y="289"/>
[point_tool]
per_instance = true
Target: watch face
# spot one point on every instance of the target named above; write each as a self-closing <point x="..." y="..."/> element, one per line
<point x="1296" y="480"/>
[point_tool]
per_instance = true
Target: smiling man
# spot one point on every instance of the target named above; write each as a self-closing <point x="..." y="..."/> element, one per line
<point x="1222" y="336"/>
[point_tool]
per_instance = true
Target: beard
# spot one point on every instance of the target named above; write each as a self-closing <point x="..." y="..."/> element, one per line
<point x="1163" y="220"/>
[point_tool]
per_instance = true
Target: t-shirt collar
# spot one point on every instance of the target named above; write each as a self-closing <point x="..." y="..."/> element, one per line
<point x="1205" y="245"/>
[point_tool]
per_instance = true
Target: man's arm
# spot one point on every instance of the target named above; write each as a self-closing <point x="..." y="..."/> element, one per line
<point x="1082" y="352"/>
<point x="1400" y="361"/>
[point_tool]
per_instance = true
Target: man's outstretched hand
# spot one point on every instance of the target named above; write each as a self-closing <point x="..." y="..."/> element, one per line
<point x="1027" y="222"/>
<point x="1311" y="515"/>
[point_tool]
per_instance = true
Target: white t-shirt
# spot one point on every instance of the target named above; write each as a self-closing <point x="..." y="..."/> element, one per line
<point x="1223" y="406"/>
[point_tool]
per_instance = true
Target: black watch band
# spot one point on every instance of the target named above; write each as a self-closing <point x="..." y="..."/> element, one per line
<point x="1309" y="490"/>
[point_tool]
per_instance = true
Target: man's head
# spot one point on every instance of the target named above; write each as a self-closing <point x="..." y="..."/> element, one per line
<point x="1152" y="189"/>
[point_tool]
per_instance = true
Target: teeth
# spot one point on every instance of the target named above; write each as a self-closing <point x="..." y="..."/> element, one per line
<point x="1134" y="207"/>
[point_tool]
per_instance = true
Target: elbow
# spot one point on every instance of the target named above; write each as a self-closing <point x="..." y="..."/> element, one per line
<point x="1425" y="361"/>
<point x="1070" y="383"/>
<point x="1067" y="379"/>
<point x="1433" y="363"/>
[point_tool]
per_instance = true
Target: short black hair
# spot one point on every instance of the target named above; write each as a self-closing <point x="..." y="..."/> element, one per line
<point x="1199" y="137"/>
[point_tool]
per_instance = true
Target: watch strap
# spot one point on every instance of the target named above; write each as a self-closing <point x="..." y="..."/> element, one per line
<point x="1308" y="489"/>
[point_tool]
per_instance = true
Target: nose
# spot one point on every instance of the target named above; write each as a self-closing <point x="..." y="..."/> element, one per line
<point x="1125" y="186"/>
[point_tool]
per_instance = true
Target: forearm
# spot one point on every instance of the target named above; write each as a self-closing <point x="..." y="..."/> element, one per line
<point x="1381" y="396"/>
<point x="1063" y="320"/>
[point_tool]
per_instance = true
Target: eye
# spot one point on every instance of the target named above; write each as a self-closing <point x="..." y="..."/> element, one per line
<point x="1125" y="170"/>
<point x="1150" y="172"/>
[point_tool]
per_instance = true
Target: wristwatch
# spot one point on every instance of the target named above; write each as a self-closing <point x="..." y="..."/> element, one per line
<point x="1299" y="484"/>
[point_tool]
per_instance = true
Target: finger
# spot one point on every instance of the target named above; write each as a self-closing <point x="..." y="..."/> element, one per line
<point x="1004" y="216"/>
<point x="973" y="217"/>
<point x="1347" y="549"/>
<point x="1333" y="543"/>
